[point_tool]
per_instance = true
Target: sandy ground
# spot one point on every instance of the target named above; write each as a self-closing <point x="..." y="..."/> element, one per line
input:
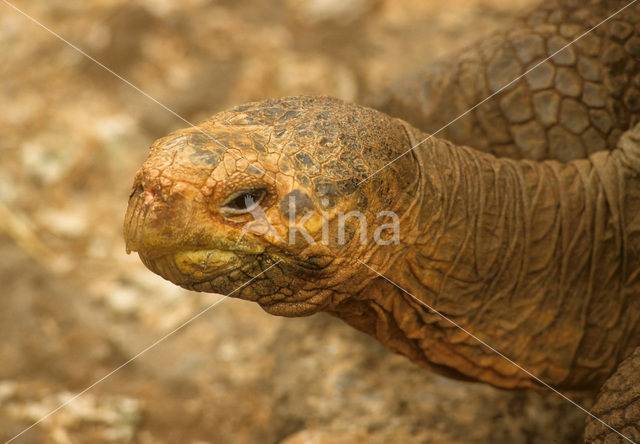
<point x="74" y="306"/>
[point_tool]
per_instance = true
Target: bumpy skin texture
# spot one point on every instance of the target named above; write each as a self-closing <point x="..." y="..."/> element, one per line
<point x="304" y="152"/>
<point x="576" y="103"/>
<point x="618" y="405"/>
<point x="537" y="258"/>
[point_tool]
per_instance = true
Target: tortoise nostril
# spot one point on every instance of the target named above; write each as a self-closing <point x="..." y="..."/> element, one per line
<point x="148" y="196"/>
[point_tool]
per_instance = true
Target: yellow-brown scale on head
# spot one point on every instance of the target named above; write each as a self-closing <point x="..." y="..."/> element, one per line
<point x="214" y="205"/>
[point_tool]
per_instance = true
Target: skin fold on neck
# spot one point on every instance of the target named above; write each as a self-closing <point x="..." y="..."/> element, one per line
<point x="511" y="251"/>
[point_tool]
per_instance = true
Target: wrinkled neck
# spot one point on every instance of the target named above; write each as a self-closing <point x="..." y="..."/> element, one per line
<point x="513" y="252"/>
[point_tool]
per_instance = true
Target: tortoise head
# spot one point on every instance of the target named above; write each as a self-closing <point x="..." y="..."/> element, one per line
<point x="274" y="182"/>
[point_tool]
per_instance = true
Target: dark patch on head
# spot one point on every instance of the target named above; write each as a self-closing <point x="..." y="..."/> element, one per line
<point x="335" y="169"/>
<point x="206" y="157"/>
<point x="355" y="162"/>
<point x="303" y="180"/>
<point x="284" y="164"/>
<point x="348" y="186"/>
<point x="251" y="169"/>
<point x="259" y="146"/>
<point x="371" y="152"/>
<point x="301" y="125"/>
<point x="296" y="203"/>
<point x="304" y="161"/>
<point x="349" y="142"/>
<point x="348" y="156"/>
<point x="268" y="114"/>
<point x="360" y="169"/>
<point x="199" y="139"/>
<point x="326" y="147"/>
<point x="222" y="140"/>
<point x="325" y="141"/>
<point x="327" y="128"/>
<point x="288" y="116"/>
<point x="326" y="193"/>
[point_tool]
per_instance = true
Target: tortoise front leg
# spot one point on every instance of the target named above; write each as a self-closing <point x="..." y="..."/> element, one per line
<point x="618" y="404"/>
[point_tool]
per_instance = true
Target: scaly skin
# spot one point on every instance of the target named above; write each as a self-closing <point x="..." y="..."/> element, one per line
<point x="537" y="258"/>
<point x="574" y="104"/>
<point x="618" y="405"/>
<point x="311" y="150"/>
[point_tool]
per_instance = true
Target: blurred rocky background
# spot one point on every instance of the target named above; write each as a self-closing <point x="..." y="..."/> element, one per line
<point x="74" y="306"/>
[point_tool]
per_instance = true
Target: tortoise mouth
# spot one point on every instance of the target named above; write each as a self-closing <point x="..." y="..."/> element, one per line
<point x="227" y="272"/>
<point x="293" y="308"/>
<point x="190" y="267"/>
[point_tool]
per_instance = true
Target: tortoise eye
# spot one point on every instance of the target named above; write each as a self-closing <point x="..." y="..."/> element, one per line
<point x="245" y="201"/>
